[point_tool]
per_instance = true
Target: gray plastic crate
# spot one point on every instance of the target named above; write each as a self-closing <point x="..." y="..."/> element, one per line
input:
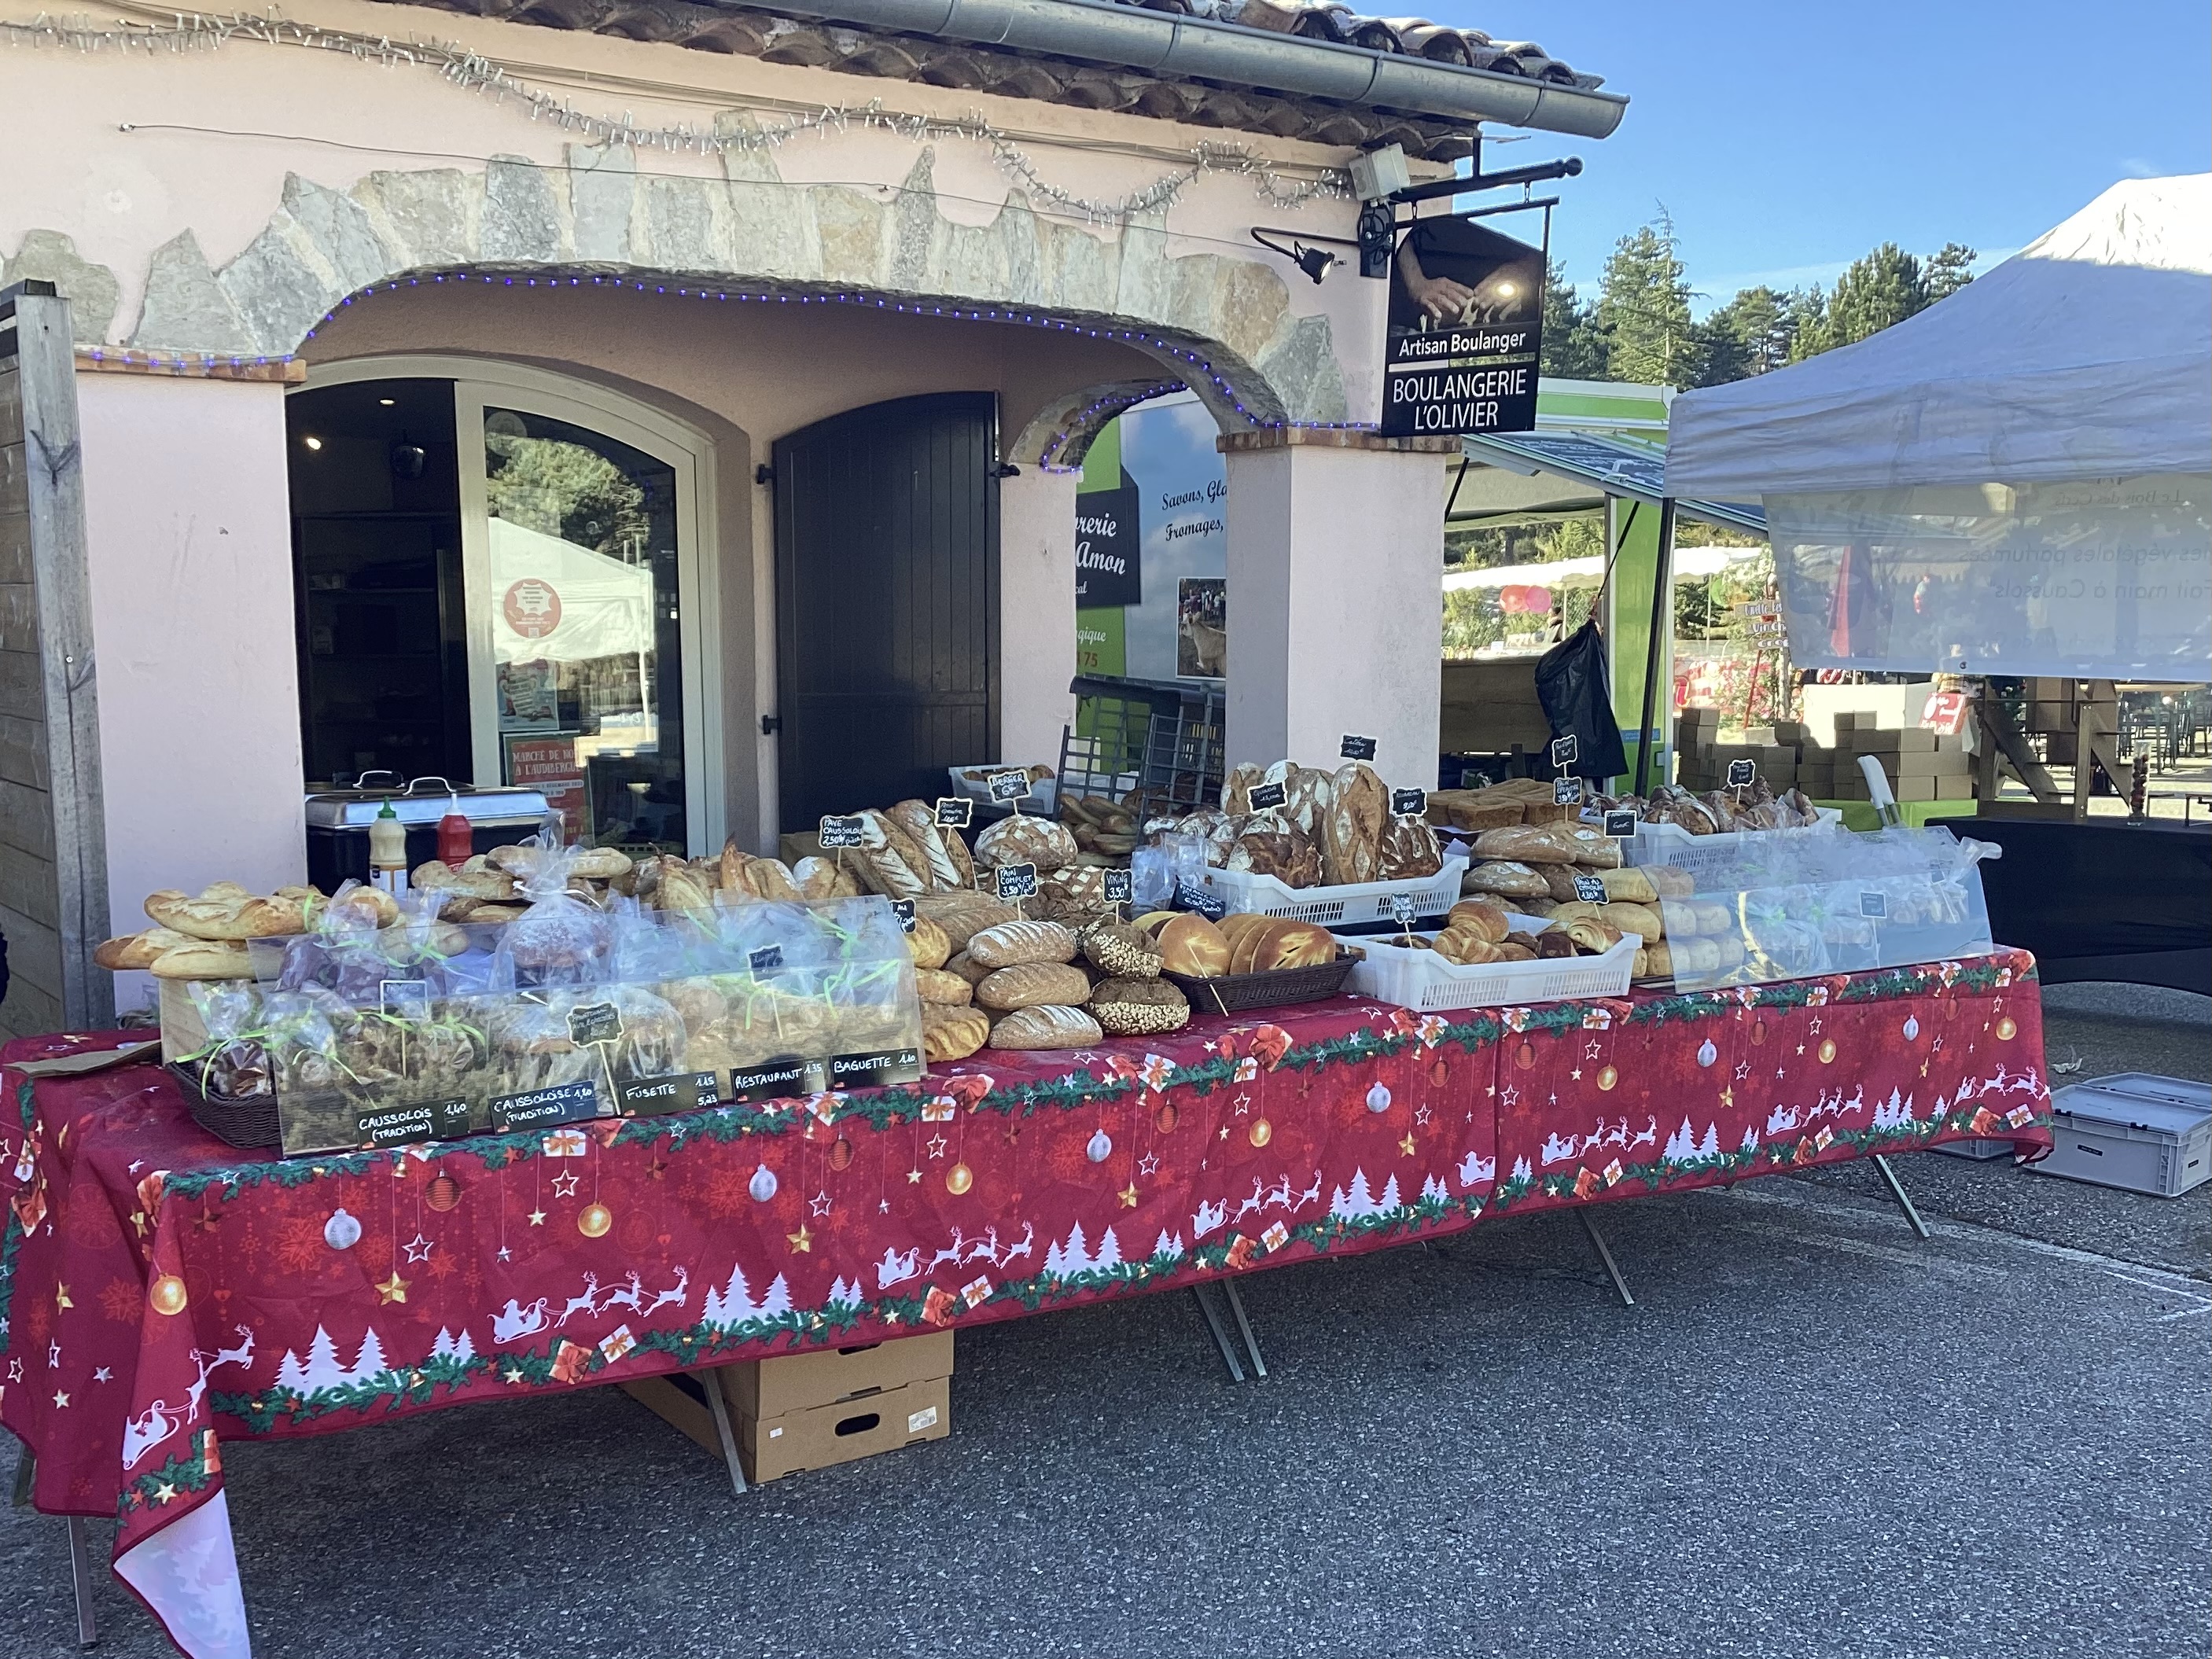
<point x="1974" y="1149"/>
<point x="2133" y="1130"/>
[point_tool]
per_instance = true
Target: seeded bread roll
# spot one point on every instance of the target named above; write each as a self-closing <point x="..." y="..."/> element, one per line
<point x="1012" y="943"/>
<point x="949" y="1033"/>
<point x="1032" y="985"/>
<point x="1139" y="1007"/>
<point x="1046" y="1027"/>
<point x="1122" y="950"/>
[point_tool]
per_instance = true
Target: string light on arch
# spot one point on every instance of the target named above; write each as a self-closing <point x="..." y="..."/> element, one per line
<point x="1003" y="316"/>
<point x="1117" y="402"/>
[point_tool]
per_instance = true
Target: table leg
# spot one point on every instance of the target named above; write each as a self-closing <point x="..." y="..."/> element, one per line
<point x="723" y="1432"/>
<point x="1606" y="1256"/>
<point x="1244" y="1326"/>
<point x="1220" y="1333"/>
<point x="26" y="1467"/>
<point x="88" y="1633"/>
<point x="1896" y="1191"/>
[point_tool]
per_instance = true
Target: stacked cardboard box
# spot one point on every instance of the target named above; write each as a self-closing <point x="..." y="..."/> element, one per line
<point x="809" y="1411"/>
<point x="2054" y="711"/>
<point x="1922" y="765"/>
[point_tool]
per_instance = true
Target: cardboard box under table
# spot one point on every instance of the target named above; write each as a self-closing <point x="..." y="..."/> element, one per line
<point x="810" y="1411"/>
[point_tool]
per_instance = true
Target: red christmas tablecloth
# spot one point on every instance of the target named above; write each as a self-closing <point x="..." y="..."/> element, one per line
<point x="158" y="1290"/>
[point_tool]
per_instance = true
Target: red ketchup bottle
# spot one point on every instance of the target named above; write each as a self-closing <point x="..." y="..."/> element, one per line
<point x="456" y="839"/>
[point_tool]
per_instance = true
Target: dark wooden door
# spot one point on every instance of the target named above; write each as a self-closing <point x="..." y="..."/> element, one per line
<point x="887" y="603"/>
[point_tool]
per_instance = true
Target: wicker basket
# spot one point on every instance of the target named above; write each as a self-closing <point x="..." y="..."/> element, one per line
<point x="249" y="1125"/>
<point x="1232" y="993"/>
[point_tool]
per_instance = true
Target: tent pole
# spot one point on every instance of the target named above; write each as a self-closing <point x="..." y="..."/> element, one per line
<point x="1662" y="588"/>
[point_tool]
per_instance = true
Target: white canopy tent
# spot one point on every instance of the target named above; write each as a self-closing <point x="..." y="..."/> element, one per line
<point x="574" y="603"/>
<point x="2016" y="481"/>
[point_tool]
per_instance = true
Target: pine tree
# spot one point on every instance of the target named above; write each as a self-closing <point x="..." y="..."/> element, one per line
<point x="1875" y="293"/>
<point x="1573" y="347"/>
<point x="1751" y="334"/>
<point x="1949" y="270"/>
<point x="1644" y="309"/>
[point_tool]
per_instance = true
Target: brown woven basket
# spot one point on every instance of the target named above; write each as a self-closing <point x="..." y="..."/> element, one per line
<point x="249" y="1125"/>
<point x="1232" y="993"/>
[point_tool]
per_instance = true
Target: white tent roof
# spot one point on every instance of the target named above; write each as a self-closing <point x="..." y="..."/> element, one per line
<point x="2086" y="355"/>
<point x="596" y="606"/>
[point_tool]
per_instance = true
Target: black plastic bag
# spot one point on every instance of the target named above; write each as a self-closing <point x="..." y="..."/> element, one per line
<point x="1577" y="699"/>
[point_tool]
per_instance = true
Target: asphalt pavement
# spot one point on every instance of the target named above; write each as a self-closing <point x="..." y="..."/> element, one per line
<point x="1814" y="1434"/>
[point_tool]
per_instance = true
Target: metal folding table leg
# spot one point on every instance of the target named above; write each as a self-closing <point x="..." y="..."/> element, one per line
<point x="1244" y="1326"/>
<point x="723" y="1432"/>
<point x="1606" y="1256"/>
<point x="88" y="1633"/>
<point x="1896" y="1191"/>
<point x="1220" y="1333"/>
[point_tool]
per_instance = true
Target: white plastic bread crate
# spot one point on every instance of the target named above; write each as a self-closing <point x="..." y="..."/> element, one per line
<point x="2133" y="1130"/>
<point x="1670" y="844"/>
<point x="1424" y="982"/>
<point x="1344" y="906"/>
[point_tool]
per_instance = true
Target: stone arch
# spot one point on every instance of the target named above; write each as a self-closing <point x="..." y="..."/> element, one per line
<point x="1221" y="325"/>
<point x="1059" y="434"/>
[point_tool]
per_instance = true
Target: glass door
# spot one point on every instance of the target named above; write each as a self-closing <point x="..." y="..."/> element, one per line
<point x="576" y="532"/>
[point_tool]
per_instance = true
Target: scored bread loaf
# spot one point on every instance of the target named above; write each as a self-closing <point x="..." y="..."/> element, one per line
<point x="948" y="990"/>
<point x="1046" y="1026"/>
<point x="1033" y="984"/>
<point x="952" y="1033"/>
<point x="967" y="968"/>
<point x="1019" y="839"/>
<point x="963" y="916"/>
<point x="1012" y="943"/>
<point x="918" y="819"/>
<point x="1629" y="884"/>
<point x="888" y="860"/>
<point x="931" y="945"/>
<point x="202" y="959"/>
<point x="1352" y="841"/>
<point x="1409" y="849"/>
<point x="1507" y="876"/>
<point x="1642" y="920"/>
<point x="221" y="914"/>
<point x="140" y="949"/>
<point x="1191" y="945"/>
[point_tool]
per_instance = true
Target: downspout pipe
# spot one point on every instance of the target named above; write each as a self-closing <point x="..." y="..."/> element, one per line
<point x="1129" y="37"/>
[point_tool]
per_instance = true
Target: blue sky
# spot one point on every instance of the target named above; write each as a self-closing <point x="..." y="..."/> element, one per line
<point x="1787" y="139"/>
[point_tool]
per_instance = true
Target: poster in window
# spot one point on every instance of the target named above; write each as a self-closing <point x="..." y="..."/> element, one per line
<point x="1201" y="627"/>
<point x="1107" y="560"/>
<point x="1467" y="310"/>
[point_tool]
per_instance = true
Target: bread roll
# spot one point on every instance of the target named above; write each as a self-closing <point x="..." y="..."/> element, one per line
<point x="1046" y="1027"/>
<point x="206" y="959"/>
<point x="1630" y="885"/>
<point x="1139" y="1007"/>
<point x="820" y="878"/>
<point x="1486" y="916"/>
<point x="929" y="943"/>
<point x="1642" y="920"/>
<point x="1590" y="934"/>
<point x="1191" y="945"/>
<point x="1559" y="880"/>
<point x="952" y="1033"/>
<point x="1294" y="944"/>
<point x="1466" y="946"/>
<point x="1012" y="943"/>
<point x="1507" y="876"/>
<point x="1123" y="951"/>
<point x="1352" y="841"/>
<point x="1033" y="984"/>
<point x="936" y="985"/>
<point x="1553" y="942"/>
<point x="137" y="949"/>
<point x="1656" y="961"/>
<point x="967" y="968"/>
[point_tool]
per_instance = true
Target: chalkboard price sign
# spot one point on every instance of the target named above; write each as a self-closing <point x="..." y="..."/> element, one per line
<point x="1264" y="796"/>
<point x="595" y="1022"/>
<point x="1192" y="896"/>
<point x="1566" y="791"/>
<point x="1354" y="747"/>
<point x="955" y="812"/>
<point x="1620" y="824"/>
<point x="765" y="958"/>
<point x="1015" y="881"/>
<point x="1741" y="773"/>
<point x="1875" y="906"/>
<point x="1564" y="751"/>
<point x="1590" y="890"/>
<point x="1409" y="803"/>
<point x="1120" y="887"/>
<point x="903" y="909"/>
<point x="847" y="831"/>
<point x="1009" y="785"/>
<point x="1402" y="908"/>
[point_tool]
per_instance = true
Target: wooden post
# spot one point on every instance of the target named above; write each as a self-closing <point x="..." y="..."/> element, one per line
<point x="53" y="843"/>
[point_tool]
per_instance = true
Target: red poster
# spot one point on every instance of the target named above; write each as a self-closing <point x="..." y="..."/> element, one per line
<point x="550" y="765"/>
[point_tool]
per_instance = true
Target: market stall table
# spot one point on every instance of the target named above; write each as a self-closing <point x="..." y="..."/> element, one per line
<point x="159" y="1292"/>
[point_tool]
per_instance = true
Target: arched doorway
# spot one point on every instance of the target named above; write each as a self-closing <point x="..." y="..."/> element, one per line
<point x="887" y="603"/>
<point x="500" y="569"/>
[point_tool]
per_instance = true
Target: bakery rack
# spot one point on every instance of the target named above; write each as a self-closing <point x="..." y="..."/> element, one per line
<point x="1154" y="745"/>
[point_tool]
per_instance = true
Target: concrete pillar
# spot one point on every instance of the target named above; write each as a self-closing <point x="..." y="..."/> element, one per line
<point x="1336" y="546"/>
<point x="1036" y="613"/>
<point x="188" y="537"/>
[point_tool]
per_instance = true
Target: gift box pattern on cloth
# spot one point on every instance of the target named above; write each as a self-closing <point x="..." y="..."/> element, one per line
<point x="224" y="1296"/>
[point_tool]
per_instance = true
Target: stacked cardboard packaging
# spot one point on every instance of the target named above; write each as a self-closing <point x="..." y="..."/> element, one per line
<point x="1922" y="764"/>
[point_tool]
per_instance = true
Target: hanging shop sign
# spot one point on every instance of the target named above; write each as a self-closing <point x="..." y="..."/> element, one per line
<point x="1467" y="311"/>
<point x="1108" y="561"/>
